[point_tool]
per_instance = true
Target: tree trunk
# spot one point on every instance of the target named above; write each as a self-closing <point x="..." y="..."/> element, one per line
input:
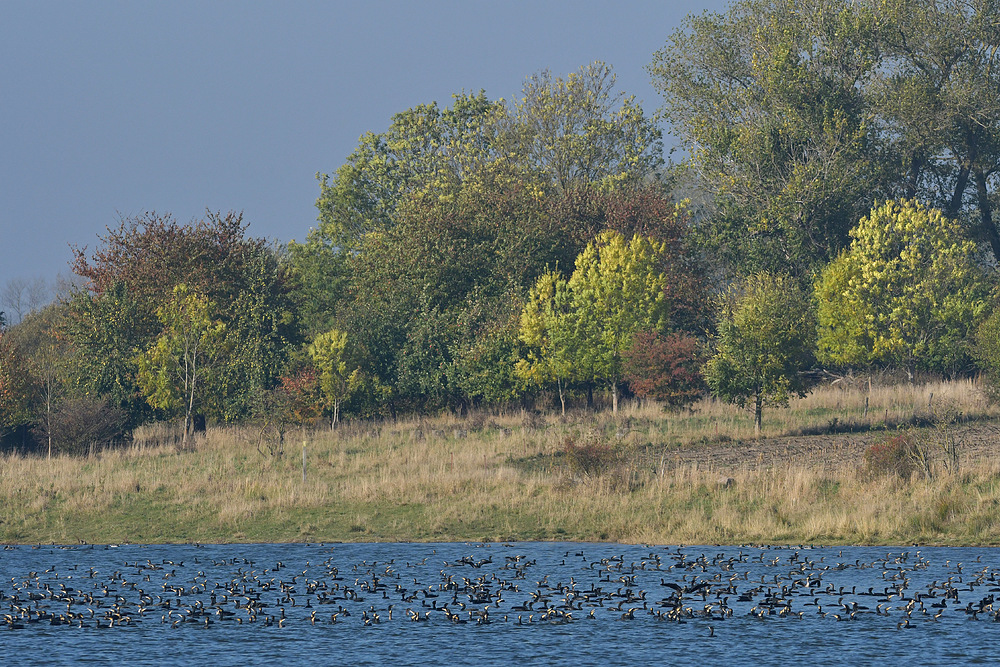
<point x="48" y="417"/>
<point x="562" y="396"/>
<point x="758" y="413"/>
<point x="960" y="185"/>
<point x="987" y="229"/>
<point x="614" y="397"/>
<point x="590" y="396"/>
<point x="913" y="179"/>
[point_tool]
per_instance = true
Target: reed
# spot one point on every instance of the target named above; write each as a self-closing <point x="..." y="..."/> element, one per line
<point x="512" y="476"/>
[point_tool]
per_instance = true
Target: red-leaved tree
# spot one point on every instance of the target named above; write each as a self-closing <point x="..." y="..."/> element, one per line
<point x="665" y="368"/>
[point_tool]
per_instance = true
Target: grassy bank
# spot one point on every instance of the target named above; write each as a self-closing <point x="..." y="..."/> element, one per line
<point x="642" y="477"/>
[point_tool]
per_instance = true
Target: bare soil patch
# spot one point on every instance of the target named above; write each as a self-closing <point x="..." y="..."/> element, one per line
<point x="976" y="442"/>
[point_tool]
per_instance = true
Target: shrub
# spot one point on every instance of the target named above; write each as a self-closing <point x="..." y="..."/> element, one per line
<point x="987" y="353"/>
<point x="894" y="456"/>
<point x="85" y="424"/>
<point x="593" y="456"/>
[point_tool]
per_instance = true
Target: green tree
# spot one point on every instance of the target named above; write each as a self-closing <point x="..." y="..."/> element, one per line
<point x="559" y="133"/>
<point x="581" y="130"/>
<point x="765" y="340"/>
<point x="425" y="148"/>
<point x="798" y="116"/>
<point x="581" y="328"/>
<point x="908" y="291"/>
<point x="40" y="336"/>
<point x="133" y="272"/>
<point x="15" y="386"/>
<point x="176" y="372"/>
<point x="107" y="331"/>
<point x="486" y="349"/>
<point x="939" y="104"/>
<point x="329" y="353"/>
<point x="987" y="352"/>
<point x="771" y="102"/>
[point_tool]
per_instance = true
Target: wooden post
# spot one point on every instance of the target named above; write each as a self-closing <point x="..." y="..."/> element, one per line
<point x="303" y="462"/>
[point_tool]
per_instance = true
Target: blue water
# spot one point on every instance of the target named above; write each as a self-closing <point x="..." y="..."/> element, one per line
<point x="182" y="605"/>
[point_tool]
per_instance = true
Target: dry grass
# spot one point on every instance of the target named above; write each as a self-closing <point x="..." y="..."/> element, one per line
<point x="509" y="476"/>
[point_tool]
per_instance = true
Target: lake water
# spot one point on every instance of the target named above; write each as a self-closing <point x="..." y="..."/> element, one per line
<point x="552" y="603"/>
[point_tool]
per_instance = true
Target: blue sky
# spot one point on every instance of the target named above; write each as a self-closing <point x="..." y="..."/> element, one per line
<point x="110" y="109"/>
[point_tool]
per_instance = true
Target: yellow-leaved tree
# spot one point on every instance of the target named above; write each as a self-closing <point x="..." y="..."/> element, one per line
<point x="330" y="355"/>
<point x="581" y="328"/>
<point x="908" y="291"/>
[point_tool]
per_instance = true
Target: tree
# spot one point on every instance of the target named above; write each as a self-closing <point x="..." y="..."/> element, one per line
<point x="40" y="337"/>
<point x="580" y="328"/>
<point x="939" y="105"/>
<point x="133" y="273"/>
<point x="908" y="291"/>
<point x="176" y="372"/>
<point x="562" y="132"/>
<point x="771" y="101"/>
<point x="547" y="330"/>
<point x="304" y="394"/>
<point x="665" y="368"/>
<point x="798" y="116"/>
<point x="987" y="352"/>
<point x="617" y="289"/>
<point x="24" y="296"/>
<point x="328" y="352"/>
<point x="15" y="386"/>
<point x="580" y="130"/>
<point x="426" y="296"/>
<point x="765" y="340"/>
<point x="108" y="330"/>
<point x="425" y="148"/>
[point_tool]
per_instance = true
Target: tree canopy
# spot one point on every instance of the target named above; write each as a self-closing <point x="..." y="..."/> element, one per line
<point x="797" y="116"/>
<point x="908" y="291"/>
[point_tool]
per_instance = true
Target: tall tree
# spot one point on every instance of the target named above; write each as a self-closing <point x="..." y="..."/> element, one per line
<point x="559" y="133"/>
<point x="141" y="261"/>
<point x="581" y="328"/>
<point x="329" y="353"/>
<point x="547" y="330"/>
<point x="107" y="331"/>
<point x="580" y="130"/>
<point x="940" y="105"/>
<point x="42" y="342"/>
<point x="425" y="147"/>
<point x="617" y="290"/>
<point x="798" y="116"/>
<point x="15" y="386"/>
<point x="770" y="102"/>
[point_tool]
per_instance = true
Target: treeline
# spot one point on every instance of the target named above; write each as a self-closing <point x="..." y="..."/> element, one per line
<point x="833" y="210"/>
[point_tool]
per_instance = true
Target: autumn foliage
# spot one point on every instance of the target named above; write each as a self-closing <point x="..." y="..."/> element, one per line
<point x="665" y="368"/>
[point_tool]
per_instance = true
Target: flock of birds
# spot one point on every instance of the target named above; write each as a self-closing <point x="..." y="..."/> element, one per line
<point x="494" y="584"/>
